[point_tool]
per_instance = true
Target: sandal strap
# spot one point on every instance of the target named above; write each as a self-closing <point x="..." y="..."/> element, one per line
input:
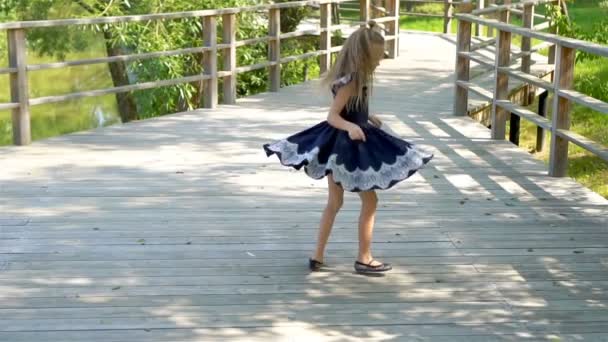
<point x="370" y="264"/>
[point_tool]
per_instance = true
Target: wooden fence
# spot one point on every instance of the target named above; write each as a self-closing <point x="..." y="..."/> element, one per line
<point x="563" y="51"/>
<point x="18" y="67"/>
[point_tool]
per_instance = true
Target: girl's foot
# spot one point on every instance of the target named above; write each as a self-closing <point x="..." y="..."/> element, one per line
<point x="315" y="265"/>
<point x="372" y="267"/>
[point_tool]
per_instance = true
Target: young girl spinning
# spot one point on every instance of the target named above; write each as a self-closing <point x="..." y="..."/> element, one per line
<point x="350" y="148"/>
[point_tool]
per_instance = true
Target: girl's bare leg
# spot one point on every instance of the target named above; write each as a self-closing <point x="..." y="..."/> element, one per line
<point x="335" y="200"/>
<point x="369" y="203"/>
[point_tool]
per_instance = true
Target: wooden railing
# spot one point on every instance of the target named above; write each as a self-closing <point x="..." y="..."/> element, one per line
<point x="564" y="50"/>
<point x="18" y="67"/>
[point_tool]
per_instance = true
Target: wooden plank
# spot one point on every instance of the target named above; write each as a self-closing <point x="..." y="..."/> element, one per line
<point x="337" y="48"/>
<point x="448" y="14"/>
<point x="350" y="288"/>
<point x="483" y="44"/>
<point x="439" y="333"/>
<point x="592" y="48"/>
<point x="123" y="58"/>
<point x="463" y="65"/>
<point x="526" y="42"/>
<point x="8" y="70"/>
<point x="524" y="113"/>
<point x="252" y="41"/>
<point x="19" y="88"/>
<point x="479" y="5"/>
<point x="501" y="85"/>
<point x="542" y="26"/>
<point x="302" y="56"/>
<point x="526" y="77"/>
<point x="10" y="105"/>
<point x="392" y="27"/>
<point x="479" y="59"/>
<point x="229" y="58"/>
<point x="386" y="19"/>
<point x="584" y="100"/>
<point x="210" y="94"/>
<point x="588" y="144"/>
<point x="254" y="67"/>
<point x="563" y="80"/>
<point x="113" y="90"/>
<point x="430" y="15"/>
<point x="296" y="34"/>
<point x="325" y="41"/>
<point x="364" y="12"/>
<point x="485" y="94"/>
<point x="159" y="16"/>
<point x="274" y="49"/>
<point x="232" y="309"/>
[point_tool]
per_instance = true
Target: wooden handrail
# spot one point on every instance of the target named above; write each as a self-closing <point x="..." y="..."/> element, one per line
<point x="561" y="87"/>
<point x="161" y="16"/>
<point x="592" y="48"/>
<point x="18" y="67"/>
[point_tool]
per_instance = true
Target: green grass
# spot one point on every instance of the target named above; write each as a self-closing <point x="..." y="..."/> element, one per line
<point x="68" y="116"/>
<point x="585" y="13"/>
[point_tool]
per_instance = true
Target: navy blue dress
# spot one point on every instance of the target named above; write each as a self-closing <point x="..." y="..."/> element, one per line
<point x="380" y="162"/>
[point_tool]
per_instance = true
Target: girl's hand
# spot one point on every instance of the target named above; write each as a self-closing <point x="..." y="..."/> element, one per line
<point x="356" y="133"/>
<point x="375" y="121"/>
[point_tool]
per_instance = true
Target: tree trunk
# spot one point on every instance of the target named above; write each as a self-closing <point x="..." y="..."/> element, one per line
<point x="126" y="101"/>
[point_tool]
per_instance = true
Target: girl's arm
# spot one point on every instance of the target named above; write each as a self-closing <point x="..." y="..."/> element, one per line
<point x="336" y="120"/>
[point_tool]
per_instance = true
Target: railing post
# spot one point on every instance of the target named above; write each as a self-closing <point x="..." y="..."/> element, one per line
<point x="364" y="11"/>
<point x="393" y="28"/>
<point x="229" y="37"/>
<point x="490" y="30"/>
<point x="448" y="12"/>
<point x="501" y="86"/>
<point x="19" y="87"/>
<point x="274" y="48"/>
<point x="325" y="37"/>
<point x="563" y="80"/>
<point x="514" y="122"/>
<point x="480" y="5"/>
<point x="210" y="61"/>
<point x="375" y="9"/>
<point x="506" y="17"/>
<point x="528" y="22"/>
<point x="463" y="64"/>
<point x="542" y="111"/>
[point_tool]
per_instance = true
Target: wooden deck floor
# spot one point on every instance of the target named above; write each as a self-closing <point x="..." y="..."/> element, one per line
<point x="180" y="229"/>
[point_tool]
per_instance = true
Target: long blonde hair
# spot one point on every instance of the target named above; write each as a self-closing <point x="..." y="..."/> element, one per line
<point x="356" y="60"/>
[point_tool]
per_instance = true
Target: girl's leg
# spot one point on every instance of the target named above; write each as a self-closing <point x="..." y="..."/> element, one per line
<point x="335" y="200"/>
<point x="369" y="202"/>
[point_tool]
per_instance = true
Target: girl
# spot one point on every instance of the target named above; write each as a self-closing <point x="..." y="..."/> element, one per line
<point x="350" y="148"/>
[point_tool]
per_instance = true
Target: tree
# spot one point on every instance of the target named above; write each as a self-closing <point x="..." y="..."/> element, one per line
<point x="141" y="37"/>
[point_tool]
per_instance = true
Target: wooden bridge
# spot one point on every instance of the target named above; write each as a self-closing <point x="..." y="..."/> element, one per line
<point x="180" y="229"/>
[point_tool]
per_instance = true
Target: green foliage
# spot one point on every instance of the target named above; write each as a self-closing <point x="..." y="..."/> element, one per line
<point x="291" y="17"/>
<point x="567" y="28"/>
<point x="158" y="36"/>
